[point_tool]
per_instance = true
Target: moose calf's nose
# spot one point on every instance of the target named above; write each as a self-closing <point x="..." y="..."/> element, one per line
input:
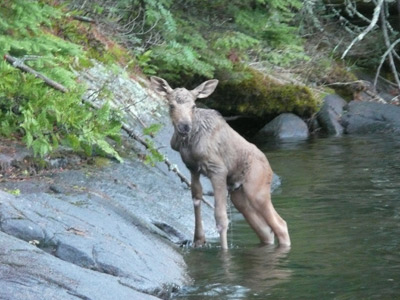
<point x="184" y="128"/>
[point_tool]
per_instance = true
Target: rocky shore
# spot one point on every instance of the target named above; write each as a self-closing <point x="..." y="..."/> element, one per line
<point x="335" y="118"/>
<point x="109" y="232"/>
<point x="77" y="229"/>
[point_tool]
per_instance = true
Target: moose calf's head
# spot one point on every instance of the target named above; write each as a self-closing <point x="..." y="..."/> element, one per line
<point x="182" y="102"/>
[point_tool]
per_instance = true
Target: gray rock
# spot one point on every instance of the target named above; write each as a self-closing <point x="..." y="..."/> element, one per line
<point x="94" y="232"/>
<point x="371" y="117"/>
<point x="285" y="126"/>
<point x="23" y="229"/>
<point x="75" y="253"/>
<point x="27" y="272"/>
<point x="330" y="113"/>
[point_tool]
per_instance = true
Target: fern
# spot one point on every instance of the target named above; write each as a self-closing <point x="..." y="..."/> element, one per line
<point x="154" y="155"/>
<point x="41" y="116"/>
<point x="175" y="56"/>
<point x="234" y="40"/>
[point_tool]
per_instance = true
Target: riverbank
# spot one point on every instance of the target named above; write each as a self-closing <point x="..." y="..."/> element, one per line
<point x="70" y="224"/>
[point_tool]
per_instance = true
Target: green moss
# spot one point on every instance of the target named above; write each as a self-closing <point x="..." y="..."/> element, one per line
<point x="100" y="162"/>
<point x="256" y="94"/>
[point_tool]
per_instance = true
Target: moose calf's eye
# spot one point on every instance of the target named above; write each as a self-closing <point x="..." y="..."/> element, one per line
<point x="171" y="106"/>
<point x="194" y="106"/>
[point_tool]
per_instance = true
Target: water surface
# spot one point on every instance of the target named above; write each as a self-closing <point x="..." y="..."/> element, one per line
<point x="341" y="199"/>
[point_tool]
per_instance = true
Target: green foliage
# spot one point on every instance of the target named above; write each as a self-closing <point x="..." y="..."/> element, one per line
<point x="46" y="118"/>
<point x="212" y="36"/>
<point x="192" y="39"/>
<point x="15" y="192"/>
<point x="152" y="129"/>
<point x="25" y="33"/>
<point x="143" y="60"/>
<point x="154" y="156"/>
<point x="43" y="117"/>
<point x="175" y="59"/>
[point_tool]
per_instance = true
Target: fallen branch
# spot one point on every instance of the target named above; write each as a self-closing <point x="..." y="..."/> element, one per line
<point x="83" y="19"/>
<point x="363" y="82"/>
<point x="389" y="50"/>
<point x="19" y="63"/>
<point x="182" y="177"/>
<point x="387" y="43"/>
<point x="137" y="138"/>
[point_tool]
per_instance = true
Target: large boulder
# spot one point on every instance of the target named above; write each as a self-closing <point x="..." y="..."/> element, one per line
<point x="330" y="113"/>
<point x="371" y="117"/>
<point x="284" y="126"/>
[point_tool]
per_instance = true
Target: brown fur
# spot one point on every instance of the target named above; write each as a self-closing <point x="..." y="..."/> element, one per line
<point x="209" y="146"/>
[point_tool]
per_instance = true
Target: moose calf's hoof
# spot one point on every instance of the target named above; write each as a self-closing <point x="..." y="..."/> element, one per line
<point x="199" y="243"/>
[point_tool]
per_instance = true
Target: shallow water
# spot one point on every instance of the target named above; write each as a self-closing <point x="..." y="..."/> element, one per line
<point x="341" y="199"/>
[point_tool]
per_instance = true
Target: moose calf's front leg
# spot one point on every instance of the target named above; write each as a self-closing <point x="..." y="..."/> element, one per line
<point x="197" y="195"/>
<point x="221" y="217"/>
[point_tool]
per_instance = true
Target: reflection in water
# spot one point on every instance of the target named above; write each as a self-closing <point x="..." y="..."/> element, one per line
<point x="258" y="267"/>
<point x="341" y="199"/>
<point x="240" y="273"/>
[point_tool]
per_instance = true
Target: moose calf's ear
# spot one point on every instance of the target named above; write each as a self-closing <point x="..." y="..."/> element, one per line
<point x="205" y="89"/>
<point x="160" y="85"/>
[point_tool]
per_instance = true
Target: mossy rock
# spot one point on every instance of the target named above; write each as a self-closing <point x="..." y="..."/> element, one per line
<point x="257" y="95"/>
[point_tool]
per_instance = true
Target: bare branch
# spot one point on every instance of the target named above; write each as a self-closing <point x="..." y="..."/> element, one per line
<point x="387" y="43"/>
<point x="374" y="20"/>
<point x="83" y="19"/>
<point x="383" y="60"/>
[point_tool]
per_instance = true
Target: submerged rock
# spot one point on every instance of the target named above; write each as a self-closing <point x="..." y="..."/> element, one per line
<point x="329" y="115"/>
<point x="285" y="126"/>
<point x="371" y="117"/>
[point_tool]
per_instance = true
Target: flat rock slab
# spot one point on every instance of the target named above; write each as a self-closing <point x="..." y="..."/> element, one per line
<point x="90" y="236"/>
<point x="371" y="117"/>
<point x="27" y="272"/>
<point x="119" y="221"/>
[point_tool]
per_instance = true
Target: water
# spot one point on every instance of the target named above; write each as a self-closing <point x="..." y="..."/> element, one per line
<point x="341" y="199"/>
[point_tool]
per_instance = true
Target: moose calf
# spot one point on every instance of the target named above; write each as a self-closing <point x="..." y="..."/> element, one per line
<point x="209" y="146"/>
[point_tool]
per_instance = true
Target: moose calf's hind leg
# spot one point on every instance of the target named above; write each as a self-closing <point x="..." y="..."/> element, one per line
<point x="253" y="217"/>
<point x="264" y="205"/>
<point x="277" y="224"/>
